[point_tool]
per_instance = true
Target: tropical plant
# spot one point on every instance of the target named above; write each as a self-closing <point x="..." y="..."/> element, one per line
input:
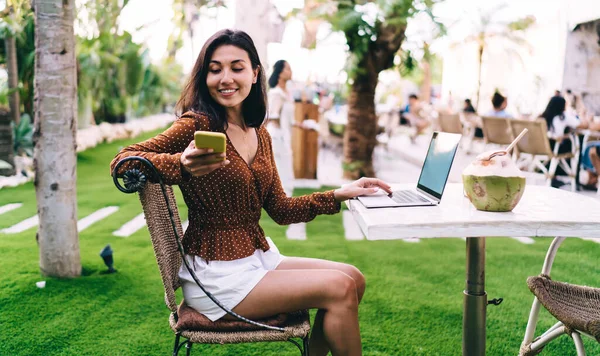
<point x="185" y="16"/>
<point x="374" y="32"/>
<point x="160" y="88"/>
<point x="116" y="80"/>
<point x="488" y="27"/>
<point x="13" y="20"/>
<point x="23" y="136"/>
<point x="25" y="47"/>
<point x="111" y="72"/>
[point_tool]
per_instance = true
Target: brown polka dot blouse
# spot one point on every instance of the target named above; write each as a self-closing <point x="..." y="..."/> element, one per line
<point x="224" y="206"/>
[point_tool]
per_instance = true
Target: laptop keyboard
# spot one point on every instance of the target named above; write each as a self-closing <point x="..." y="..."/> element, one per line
<point x="407" y="196"/>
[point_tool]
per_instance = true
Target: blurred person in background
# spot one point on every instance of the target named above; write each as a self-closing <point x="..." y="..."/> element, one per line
<point x="414" y="114"/>
<point x="469" y="115"/>
<point x="499" y="102"/>
<point x="561" y="122"/>
<point x="281" y="117"/>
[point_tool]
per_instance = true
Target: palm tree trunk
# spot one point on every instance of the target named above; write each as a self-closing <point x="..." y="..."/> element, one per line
<point x="13" y="77"/>
<point x="6" y="142"/>
<point x="426" y="84"/>
<point x="361" y="130"/>
<point x="480" y="59"/>
<point x="55" y="113"/>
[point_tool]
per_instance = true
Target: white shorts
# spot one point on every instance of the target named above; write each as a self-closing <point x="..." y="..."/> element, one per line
<point x="229" y="281"/>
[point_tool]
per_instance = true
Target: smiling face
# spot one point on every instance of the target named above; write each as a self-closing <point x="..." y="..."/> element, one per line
<point x="230" y="77"/>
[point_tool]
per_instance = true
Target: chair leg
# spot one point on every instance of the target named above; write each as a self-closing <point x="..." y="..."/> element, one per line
<point x="176" y="348"/>
<point x="306" y="344"/>
<point x="532" y="322"/>
<point x="552" y="169"/>
<point x="578" y="343"/>
<point x="188" y="348"/>
<point x="547" y="338"/>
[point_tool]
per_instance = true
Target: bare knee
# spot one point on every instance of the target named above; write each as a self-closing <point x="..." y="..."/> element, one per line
<point x="359" y="279"/>
<point x="342" y="291"/>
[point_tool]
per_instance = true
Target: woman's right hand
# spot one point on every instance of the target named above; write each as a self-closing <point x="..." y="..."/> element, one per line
<point x="197" y="161"/>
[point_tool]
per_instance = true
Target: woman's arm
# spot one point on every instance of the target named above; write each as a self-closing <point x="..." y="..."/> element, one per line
<point x="286" y="210"/>
<point x="163" y="150"/>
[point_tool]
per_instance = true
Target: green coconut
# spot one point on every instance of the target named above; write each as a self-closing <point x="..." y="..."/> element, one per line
<point x="493" y="185"/>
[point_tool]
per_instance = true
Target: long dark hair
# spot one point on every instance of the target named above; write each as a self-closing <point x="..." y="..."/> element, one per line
<point x="195" y="96"/>
<point x="556" y="107"/>
<point x="277" y="69"/>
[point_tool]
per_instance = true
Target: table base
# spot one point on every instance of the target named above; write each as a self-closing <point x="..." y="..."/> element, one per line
<point x="475" y="299"/>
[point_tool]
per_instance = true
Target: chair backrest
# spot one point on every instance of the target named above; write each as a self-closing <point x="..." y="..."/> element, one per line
<point x="163" y="237"/>
<point x="497" y="130"/>
<point x="450" y="123"/>
<point x="535" y="142"/>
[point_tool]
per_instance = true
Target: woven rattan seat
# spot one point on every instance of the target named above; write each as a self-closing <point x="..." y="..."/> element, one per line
<point x="296" y="326"/>
<point x="577" y="307"/>
<point x="201" y="330"/>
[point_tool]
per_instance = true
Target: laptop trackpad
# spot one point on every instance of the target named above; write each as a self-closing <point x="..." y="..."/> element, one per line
<point x="377" y="201"/>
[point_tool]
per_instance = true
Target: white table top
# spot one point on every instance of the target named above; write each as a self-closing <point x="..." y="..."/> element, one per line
<point x="542" y="211"/>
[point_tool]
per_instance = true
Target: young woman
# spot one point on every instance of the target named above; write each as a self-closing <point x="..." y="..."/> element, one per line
<point x="560" y="122"/>
<point x="281" y="116"/>
<point x="224" y="242"/>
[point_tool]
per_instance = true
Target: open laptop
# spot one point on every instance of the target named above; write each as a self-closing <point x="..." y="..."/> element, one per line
<point x="432" y="181"/>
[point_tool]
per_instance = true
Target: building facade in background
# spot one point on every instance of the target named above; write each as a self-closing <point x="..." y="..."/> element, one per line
<point x="582" y="64"/>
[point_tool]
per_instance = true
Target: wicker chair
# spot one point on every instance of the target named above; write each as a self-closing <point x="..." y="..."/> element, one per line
<point x="577" y="309"/>
<point x="497" y="131"/>
<point x="456" y="123"/>
<point x="535" y="152"/>
<point x="450" y="123"/>
<point x="165" y="229"/>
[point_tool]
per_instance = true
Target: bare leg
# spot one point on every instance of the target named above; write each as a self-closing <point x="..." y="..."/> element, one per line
<point x="315" y="263"/>
<point x="318" y="343"/>
<point x="422" y="124"/>
<point x="283" y="291"/>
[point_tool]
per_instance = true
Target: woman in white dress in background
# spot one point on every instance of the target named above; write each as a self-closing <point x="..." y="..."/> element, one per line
<point x="281" y="117"/>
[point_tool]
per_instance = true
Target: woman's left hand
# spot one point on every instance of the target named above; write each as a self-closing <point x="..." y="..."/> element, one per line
<point x="363" y="186"/>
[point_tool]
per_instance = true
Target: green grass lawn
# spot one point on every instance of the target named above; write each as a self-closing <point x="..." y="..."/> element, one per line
<point x="413" y="303"/>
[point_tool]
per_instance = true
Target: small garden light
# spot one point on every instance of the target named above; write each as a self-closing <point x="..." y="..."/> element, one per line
<point x="107" y="256"/>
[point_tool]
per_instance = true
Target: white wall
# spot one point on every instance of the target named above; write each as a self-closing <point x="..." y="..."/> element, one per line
<point x="582" y="65"/>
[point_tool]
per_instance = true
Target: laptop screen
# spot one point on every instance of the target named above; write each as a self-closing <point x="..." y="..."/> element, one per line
<point x="438" y="162"/>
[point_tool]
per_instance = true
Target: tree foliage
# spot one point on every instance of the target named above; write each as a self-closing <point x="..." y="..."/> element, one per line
<point x="14" y="17"/>
<point x="186" y="15"/>
<point x="25" y="59"/>
<point x="372" y="29"/>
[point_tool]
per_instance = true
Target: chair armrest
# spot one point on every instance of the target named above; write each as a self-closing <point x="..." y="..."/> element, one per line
<point x="134" y="179"/>
<point x="551" y="254"/>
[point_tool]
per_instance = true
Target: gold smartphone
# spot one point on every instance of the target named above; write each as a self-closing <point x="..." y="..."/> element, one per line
<point x="214" y="140"/>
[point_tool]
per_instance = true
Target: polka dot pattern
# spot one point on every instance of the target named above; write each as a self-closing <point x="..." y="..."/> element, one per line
<point x="224" y="206"/>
